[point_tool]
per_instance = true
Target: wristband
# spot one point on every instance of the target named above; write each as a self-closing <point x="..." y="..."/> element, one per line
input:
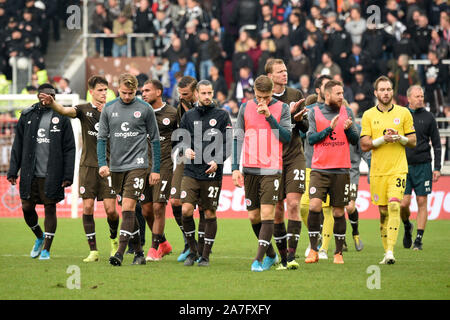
<point x="378" y="142"/>
<point x="403" y="140"/>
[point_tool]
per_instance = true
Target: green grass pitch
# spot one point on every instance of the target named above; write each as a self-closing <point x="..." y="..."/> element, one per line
<point x="416" y="274"/>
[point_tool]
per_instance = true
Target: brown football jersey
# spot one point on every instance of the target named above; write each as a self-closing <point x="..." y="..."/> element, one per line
<point x="295" y="146"/>
<point x="89" y="117"/>
<point x="166" y="117"/>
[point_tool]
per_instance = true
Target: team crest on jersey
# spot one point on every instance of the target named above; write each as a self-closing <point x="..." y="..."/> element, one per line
<point x="96" y="126"/>
<point x="166" y="121"/>
<point x="173" y="190"/>
<point x="137" y="114"/>
<point x="82" y="190"/>
<point x="248" y="202"/>
<point x="55" y="120"/>
<point x="183" y="194"/>
<point x="397" y="121"/>
<point x="212" y="122"/>
<point x="312" y="190"/>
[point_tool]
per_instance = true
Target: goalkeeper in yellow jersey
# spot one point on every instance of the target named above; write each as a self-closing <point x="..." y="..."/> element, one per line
<point x="386" y="130"/>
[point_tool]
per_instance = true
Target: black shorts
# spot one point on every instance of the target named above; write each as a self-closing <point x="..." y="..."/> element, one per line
<point x="175" y="190"/>
<point x="323" y="183"/>
<point x="204" y="193"/>
<point x="293" y="178"/>
<point x="261" y="190"/>
<point x="38" y="192"/>
<point x="159" y="192"/>
<point x="129" y="184"/>
<point x="93" y="186"/>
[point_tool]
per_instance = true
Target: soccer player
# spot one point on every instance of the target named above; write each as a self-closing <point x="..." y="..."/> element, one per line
<point x="92" y="186"/>
<point x="187" y="90"/>
<point x="127" y="121"/>
<point x="44" y="152"/>
<point x="386" y="130"/>
<point x="262" y="126"/>
<point x="326" y="214"/>
<point x="356" y="155"/>
<point x="292" y="183"/>
<point x="420" y="175"/>
<point x="331" y="131"/>
<point x="154" y="199"/>
<point x="206" y="148"/>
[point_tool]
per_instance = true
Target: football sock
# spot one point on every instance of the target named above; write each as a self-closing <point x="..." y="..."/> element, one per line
<point x="126" y="230"/>
<point x="265" y="236"/>
<point x="177" y="214"/>
<point x="339" y="229"/>
<point x="354" y="218"/>
<point x="201" y="231"/>
<point x="293" y="235"/>
<point x="257" y="229"/>
<point x="419" y="235"/>
<point x="31" y="218"/>
<point x="210" y="236"/>
<point x="156" y="240"/>
<point x="383" y="227"/>
<point x="304" y="212"/>
<point x="113" y="227"/>
<point x="142" y="223"/>
<point x="327" y="229"/>
<point x="135" y="238"/>
<point x="280" y="235"/>
<point x="313" y="228"/>
<point x="89" y="229"/>
<point x="50" y="223"/>
<point x="189" y="231"/>
<point x="393" y="224"/>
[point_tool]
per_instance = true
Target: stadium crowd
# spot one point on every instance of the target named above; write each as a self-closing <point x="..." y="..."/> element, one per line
<point x="25" y="32"/>
<point x="314" y="37"/>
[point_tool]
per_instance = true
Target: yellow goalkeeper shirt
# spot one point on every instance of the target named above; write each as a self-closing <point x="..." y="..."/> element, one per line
<point x="389" y="158"/>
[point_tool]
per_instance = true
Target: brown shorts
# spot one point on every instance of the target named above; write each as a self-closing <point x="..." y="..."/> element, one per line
<point x="175" y="190"/>
<point x="352" y="191"/>
<point x="321" y="184"/>
<point x="202" y="192"/>
<point x="159" y="192"/>
<point x="93" y="186"/>
<point x="38" y="192"/>
<point x="129" y="184"/>
<point x="261" y="190"/>
<point x="293" y="178"/>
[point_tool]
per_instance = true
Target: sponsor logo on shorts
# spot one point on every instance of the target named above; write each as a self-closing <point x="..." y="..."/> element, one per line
<point x="55" y="120"/>
<point x="312" y="190"/>
<point x="166" y="121"/>
<point x="183" y="194"/>
<point x="173" y="190"/>
<point x="82" y="190"/>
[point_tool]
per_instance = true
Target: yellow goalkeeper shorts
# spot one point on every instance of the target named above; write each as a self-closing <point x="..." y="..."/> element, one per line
<point x="384" y="188"/>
